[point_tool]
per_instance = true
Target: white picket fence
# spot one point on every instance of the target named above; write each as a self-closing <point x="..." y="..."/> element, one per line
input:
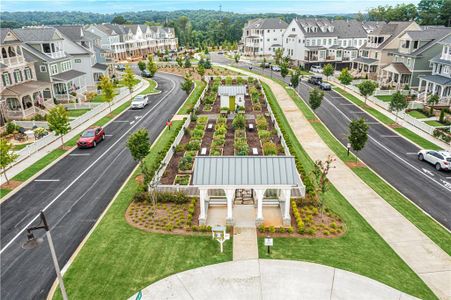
<point x="83" y="105"/>
<point x="379" y="92"/>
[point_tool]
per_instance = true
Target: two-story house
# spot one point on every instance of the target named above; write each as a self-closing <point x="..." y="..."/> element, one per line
<point x="382" y="40"/>
<point x="110" y="41"/>
<point x="45" y="46"/>
<point x="439" y="82"/>
<point x="411" y="59"/>
<point x="261" y="37"/>
<point x="22" y="95"/>
<point x="164" y="38"/>
<point x="318" y="41"/>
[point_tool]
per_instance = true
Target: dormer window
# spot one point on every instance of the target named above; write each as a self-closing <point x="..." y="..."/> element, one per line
<point x="415" y="44"/>
<point x="405" y="44"/>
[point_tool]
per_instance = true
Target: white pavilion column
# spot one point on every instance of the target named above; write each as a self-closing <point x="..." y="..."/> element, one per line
<point x="286" y="195"/>
<point x="230" y="193"/>
<point x="259" y="193"/>
<point x="203" y="194"/>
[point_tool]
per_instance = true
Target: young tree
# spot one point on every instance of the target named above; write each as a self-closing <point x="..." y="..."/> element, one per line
<point x="432" y="101"/>
<point x="107" y="88"/>
<point x="398" y="102"/>
<point x="142" y="65"/>
<point x="206" y="50"/>
<point x="295" y="79"/>
<point x="187" y="62"/>
<point x="187" y="83"/>
<point x="151" y="66"/>
<point x="179" y="61"/>
<point x="320" y="172"/>
<point x="284" y="69"/>
<point x="139" y="145"/>
<point x="367" y="88"/>
<point x="207" y="64"/>
<point x="315" y="98"/>
<point x="128" y="78"/>
<point x="345" y="77"/>
<point x="328" y="70"/>
<point x="358" y="134"/>
<point x="237" y="58"/>
<point x="201" y="70"/>
<point x="7" y="156"/>
<point x="58" y="121"/>
<point x="278" y="56"/>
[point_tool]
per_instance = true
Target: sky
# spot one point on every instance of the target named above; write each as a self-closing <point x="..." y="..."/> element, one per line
<point x="244" y="6"/>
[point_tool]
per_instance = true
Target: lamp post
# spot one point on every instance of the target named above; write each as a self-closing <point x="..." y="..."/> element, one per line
<point x="270" y="68"/>
<point x="348" y="146"/>
<point x="34" y="242"/>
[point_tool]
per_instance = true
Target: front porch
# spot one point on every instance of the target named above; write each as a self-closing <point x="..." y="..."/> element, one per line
<point x="69" y="86"/>
<point x="395" y="75"/>
<point x="435" y="85"/>
<point x="362" y="67"/>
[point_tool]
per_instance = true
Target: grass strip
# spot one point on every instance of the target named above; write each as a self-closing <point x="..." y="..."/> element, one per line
<point x="39" y="165"/>
<point x="151" y="89"/>
<point x="74" y="113"/>
<point x="118" y="260"/>
<point x="192" y="99"/>
<point x="360" y="250"/>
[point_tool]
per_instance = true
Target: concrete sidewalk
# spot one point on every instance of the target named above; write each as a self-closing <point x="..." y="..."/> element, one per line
<point x="245" y="244"/>
<point x="269" y="279"/>
<point x="428" y="260"/>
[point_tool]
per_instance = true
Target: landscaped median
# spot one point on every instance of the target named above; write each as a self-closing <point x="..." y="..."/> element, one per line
<point x="193" y="97"/>
<point x="360" y="250"/>
<point x="118" y="260"/>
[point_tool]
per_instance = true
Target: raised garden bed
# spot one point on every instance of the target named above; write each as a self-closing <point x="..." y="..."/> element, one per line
<point x="183" y="179"/>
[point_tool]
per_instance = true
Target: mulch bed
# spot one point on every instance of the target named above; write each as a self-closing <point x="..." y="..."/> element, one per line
<point x="11" y="185"/>
<point x="229" y="140"/>
<point x="355" y="164"/>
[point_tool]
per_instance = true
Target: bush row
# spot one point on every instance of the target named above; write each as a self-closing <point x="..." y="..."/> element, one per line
<point x="297" y="217"/>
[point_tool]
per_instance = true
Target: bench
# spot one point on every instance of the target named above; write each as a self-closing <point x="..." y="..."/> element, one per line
<point x="254" y="151"/>
<point x="210" y="126"/>
<point x="203" y="151"/>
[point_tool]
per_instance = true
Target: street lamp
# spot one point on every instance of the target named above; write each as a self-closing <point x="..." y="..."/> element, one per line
<point x="348" y="146"/>
<point x="270" y="68"/>
<point x="33" y="242"/>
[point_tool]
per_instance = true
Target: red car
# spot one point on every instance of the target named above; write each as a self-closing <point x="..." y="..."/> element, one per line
<point x="91" y="137"/>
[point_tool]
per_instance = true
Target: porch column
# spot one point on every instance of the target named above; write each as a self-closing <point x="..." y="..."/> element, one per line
<point x="259" y="193"/>
<point x="441" y="91"/>
<point x="230" y="193"/>
<point x="286" y="195"/>
<point x="203" y="193"/>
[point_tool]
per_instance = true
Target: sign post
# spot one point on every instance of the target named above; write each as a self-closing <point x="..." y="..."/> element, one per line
<point x="219" y="233"/>
<point x="269" y="243"/>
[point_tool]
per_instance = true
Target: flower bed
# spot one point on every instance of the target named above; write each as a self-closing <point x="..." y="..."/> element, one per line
<point x="184" y="179"/>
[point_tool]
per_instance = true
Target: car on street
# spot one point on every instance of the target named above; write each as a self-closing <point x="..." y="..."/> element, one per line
<point x="139" y="102"/>
<point x="146" y="74"/>
<point x="220" y="53"/>
<point x="325" y="86"/>
<point x="316" y="69"/>
<point x="440" y="159"/>
<point x="91" y="137"/>
<point x="315" y="79"/>
<point x="275" y="68"/>
<point x="120" y="67"/>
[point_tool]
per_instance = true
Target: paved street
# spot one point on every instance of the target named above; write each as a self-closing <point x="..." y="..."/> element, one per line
<point x="390" y="155"/>
<point x="74" y="193"/>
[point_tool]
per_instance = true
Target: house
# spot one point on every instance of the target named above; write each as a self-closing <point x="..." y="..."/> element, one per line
<point x="439" y="81"/>
<point x="45" y="46"/>
<point x="22" y="94"/>
<point x="310" y="42"/>
<point x="261" y="37"/>
<point x="110" y="41"/>
<point x="411" y="59"/>
<point x="376" y="52"/>
<point x="232" y="96"/>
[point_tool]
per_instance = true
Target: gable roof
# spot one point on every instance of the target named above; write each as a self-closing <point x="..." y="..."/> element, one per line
<point x="38" y="34"/>
<point x="231" y="90"/>
<point x="77" y="33"/>
<point x="349" y="29"/>
<point x="4" y="33"/>
<point x="391" y="29"/>
<point x="431" y="36"/>
<point x="270" y="23"/>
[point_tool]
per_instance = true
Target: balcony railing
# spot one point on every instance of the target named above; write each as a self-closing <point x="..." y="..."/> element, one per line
<point x="57" y="54"/>
<point x="13" y="61"/>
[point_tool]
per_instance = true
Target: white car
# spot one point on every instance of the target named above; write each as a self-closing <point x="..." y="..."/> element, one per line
<point x="440" y="159"/>
<point x="139" y="101"/>
<point x="275" y="68"/>
<point x="316" y="69"/>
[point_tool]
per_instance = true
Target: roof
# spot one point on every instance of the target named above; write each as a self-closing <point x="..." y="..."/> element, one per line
<point x="77" y="33"/>
<point x="349" y="29"/>
<point x="4" y="33"/>
<point x="31" y="53"/>
<point x="26" y="87"/>
<point x="391" y="29"/>
<point x="270" y="23"/>
<point x="245" y="170"/>
<point x="366" y="61"/>
<point x="98" y="66"/>
<point x="231" y="90"/>
<point x="442" y="80"/>
<point x="38" y="34"/>
<point x="397" y="67"/>
<point x="68" y="75"/>
<point x="446" y="40"/>
<point x="438" y="60"/>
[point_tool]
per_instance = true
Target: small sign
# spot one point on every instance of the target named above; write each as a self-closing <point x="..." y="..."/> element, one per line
<point x="227" y="236"/>
<point x="268" y="242"/>
<point x="139" y="295"/>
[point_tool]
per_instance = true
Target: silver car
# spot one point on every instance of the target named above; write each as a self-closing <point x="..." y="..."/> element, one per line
<point x="440" y="159"/>
<point x="139" y="102"/>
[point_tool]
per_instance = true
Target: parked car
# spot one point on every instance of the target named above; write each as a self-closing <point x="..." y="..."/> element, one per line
<point x="316" y="69"/>
<point x="220" y="52"/>
<point x="146" y="74"/>
<point x="139" y="101"/>
<point x="325" y="86"/>
<point x="265" y="65"/>
<point x="120" y="67"/>
<point x="91" y="137"/>
<point x="440" y="159"/>
<point x="275" y="68"/>
<point x="315" y="79"/>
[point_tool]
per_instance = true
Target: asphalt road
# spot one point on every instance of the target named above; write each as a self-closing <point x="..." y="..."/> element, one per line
<point x="81" y="187"/>
<point x="390" y="155"/>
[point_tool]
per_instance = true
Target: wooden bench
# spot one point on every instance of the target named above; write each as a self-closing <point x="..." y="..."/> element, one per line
<point x="203" y="151"/>
<point x="254" y="151"/>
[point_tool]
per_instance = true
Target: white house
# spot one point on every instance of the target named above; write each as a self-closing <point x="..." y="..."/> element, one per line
<point x="261" y="37"/>
<point x="232" y="95"/>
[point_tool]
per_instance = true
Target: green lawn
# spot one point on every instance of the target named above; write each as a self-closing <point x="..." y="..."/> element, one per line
<point x="384" y="98"/>
<point x="74" y="113"/>
<point x="101" y="98"/>
<point x="4" y="192"/>
<point x="422" y="142"/>
<point x="39" y="165"/>
<point x="416" y="114"/>
<point x="151" y="89"/>
<point x="118" y="260"/>
<point x="426" y="224"/>
<point x="18" y="147"/>
<point x="360" y="250"/>
<point x="434" y="123"/>
<point x="192" y="99"/>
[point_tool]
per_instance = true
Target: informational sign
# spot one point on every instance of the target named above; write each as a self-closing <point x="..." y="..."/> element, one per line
<point x="268" y="241"/>
<point x="219" y="233"/>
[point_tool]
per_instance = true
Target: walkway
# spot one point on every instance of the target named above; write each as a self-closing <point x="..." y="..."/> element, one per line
<point x="244" y="233"/>
<point x="425" y="258"/>
<point x="269" y="279"/>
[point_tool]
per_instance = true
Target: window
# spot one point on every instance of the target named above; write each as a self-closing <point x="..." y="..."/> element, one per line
<point x="415" y="44"/>
<point x="28" y="74"/>
<point x="6" y="79"/>
<point x="446" y="70"/>
<point x="293" y="29"/>
<point x="408" y="62"/>
<point x="18" y="76"/>
<point x="53" y="69"/>
<point x="77" y="61"/>
<point x="42" y="68"/>
<point x="46" y="48"/>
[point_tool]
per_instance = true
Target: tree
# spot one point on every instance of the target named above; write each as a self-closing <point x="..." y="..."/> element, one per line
<point x="320" y="172"/>
<point x="139" y="145"/>
<point x="151" y="66"/>
<point x="118" y="20"/>
<point x="284" y="69"/>
<point x="358" y="134"/>
<point x="432" y="101"/>
<point x="201" y="70"/>
<point x="295" y="79"/>
<point x="398" y="102"/>
<point x="207" y="64"/>
<point x="328" y="70"/>
<point x="58" y="121"/>
<point x="129" y="78"/>
<point x="107" y="88"/>
<point x="187" y="84"/>
<point x="237" y="58"/>
<point x="7" y="156"/>
<point x="187" y="62"/>
<point x="430" y="12"/>
<point x="278" y="54"/>
<point x="367" y="88"/>
<point x="315" y="98"/>
<point x="345" y="77"/>
<point x="179" y="61"/>
<point x="141" y="65"/>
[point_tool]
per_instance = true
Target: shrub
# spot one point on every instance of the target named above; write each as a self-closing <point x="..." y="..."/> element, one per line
<point x="169" y="197"/>
<point x="218" y="143"/>
<point x="290" y="230"/>
<point x="221" y="120"/>
<point x="11" y="127"/>
<point x="282" y="229"/>
<point x="180" y="148"/>
<point x="141" y="197"/>
<point x="200" y="127"/>
<point x="326" y="232"/>
<point x="241" y="147"/>
<point x="202" y="120"/>
<point x="269" y="148"/>
<point x="186" y="163"/>
<point x="272" y="229"/>
<point x="239" y="122"/>
<point x="193" y="145"/>
<point x="310" y="231"/>
<point x="220" y="129"/>
<point x="333" y="225"/>
<point x="264" y="135"/>
<point x="198" y="133"/>
<point x="262" y="123"/>
<point x="215" y="151"/>
<point x="257" y="106"/>
<point x="182" y="179"/>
